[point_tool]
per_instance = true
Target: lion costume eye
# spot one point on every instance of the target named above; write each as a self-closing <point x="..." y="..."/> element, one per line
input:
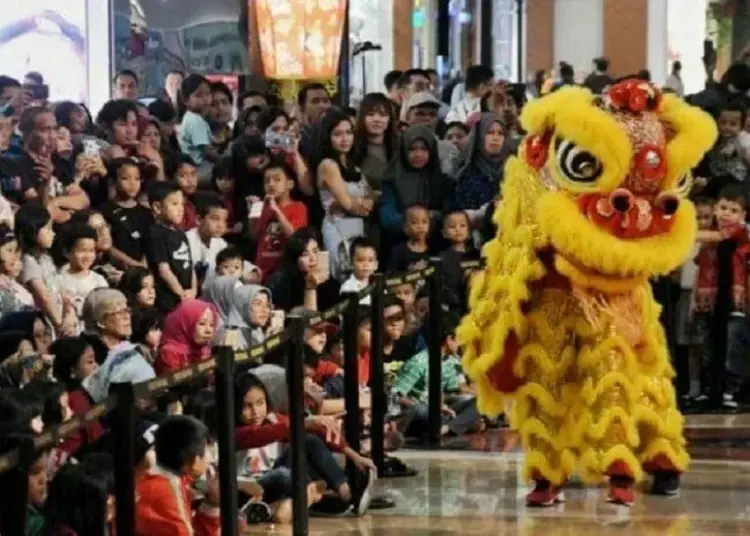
<point x="576" y="164"/>
<point x="685" y="184"/>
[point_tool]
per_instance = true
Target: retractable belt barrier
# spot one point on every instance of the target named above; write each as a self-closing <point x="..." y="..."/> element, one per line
<point x="223" y="362"/>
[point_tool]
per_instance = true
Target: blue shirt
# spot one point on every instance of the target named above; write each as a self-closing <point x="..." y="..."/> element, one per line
<point x="195" y="134"/>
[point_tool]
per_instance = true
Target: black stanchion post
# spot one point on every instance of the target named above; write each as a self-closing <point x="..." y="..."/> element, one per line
<point x="225" y="417"/>
<point x="295" y="383"/>
<point x="435" y="390"/>
<point x="377" y="379"/>
<point x="351" y="385"/>
<point x="124" y="456"/>
<point x="14" y="484"/>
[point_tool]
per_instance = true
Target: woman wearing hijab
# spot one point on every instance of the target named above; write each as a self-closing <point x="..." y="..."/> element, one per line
<point x="478" y="182"/>
<point x="220" y="292"/>
<point x="414" y="177"/>
<point x="250" y="315"/>
<point x="187" y="335"/>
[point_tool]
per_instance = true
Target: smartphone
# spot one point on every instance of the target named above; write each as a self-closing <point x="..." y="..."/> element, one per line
<point x="278" y="140"/>
<point x="37" y="92"/>
<point x="277" y="320"/>
<point x="90" y="148"/>
<point x="255" y="210"/>
<point x="324" y="264"/>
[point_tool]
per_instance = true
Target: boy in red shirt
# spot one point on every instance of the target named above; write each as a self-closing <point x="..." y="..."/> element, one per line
<point x="279" y="219"/>
<point x="163" y="495"/>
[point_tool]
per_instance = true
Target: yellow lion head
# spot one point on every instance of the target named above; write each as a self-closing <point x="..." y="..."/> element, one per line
<point x="614" y="172"/>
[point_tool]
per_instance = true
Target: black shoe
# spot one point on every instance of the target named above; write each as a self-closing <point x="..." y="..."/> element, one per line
<point x="330" y="507"/>
<point x="362" y="503"/>
<point x="257" y="513"/>
<point x="666" y="483"/>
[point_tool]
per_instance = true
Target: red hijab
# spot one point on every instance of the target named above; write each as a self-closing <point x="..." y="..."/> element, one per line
<point x="178" y="334"/>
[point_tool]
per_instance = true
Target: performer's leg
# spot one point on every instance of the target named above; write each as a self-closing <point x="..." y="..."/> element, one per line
<point x="662" y="449"/>
<point x="541" y="405"/>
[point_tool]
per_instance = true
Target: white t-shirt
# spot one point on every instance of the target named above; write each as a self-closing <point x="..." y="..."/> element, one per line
<point x="76" y="287"/>
<point x="43" y="269"/>
<point x="355" y="285"/>
<point x="689" y="270"/>
<point x="202" y="254"/>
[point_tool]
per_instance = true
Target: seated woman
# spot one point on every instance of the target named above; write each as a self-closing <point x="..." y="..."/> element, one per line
<point x="187" y="335"/>
<point x="301" y="280"/>
<point x="262" y="437"/>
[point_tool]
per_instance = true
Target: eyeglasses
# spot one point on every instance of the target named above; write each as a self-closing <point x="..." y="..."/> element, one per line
<point x="121" y="313"/>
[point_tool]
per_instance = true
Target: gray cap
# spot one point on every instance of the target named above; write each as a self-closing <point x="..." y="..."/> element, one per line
<point x="415" y="100"/>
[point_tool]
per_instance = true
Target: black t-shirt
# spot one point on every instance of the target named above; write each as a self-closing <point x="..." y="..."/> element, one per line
<point x="168" y="245"/>
<point x="454" y="278"/>
<point x="16" y="177"/>
<point x="130" y="226"/>
<point x="405" y="260"/>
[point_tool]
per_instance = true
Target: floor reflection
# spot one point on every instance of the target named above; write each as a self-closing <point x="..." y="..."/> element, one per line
<point x="475" y="493"/>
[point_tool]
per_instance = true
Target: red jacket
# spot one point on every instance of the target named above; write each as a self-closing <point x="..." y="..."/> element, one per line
<point x="326" y="369"/>
<point x="80" y="403"/>
<point x="163" y="507"/>
<point x="275" y="430"/>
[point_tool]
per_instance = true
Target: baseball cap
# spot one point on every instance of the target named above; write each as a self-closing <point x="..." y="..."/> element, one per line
<point x="415" y="100"/>
<point x="309" y="315"/>
<point x="145" y="437"/>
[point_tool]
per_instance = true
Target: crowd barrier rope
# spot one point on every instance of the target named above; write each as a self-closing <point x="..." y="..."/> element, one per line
<point x="122" y="404"/>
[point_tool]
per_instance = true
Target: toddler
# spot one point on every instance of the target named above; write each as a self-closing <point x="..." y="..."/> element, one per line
<point x="77" y="279"/>
<point x="457" y="231"/>
<point x="731" y="154"/>
<point x="129" y="221"/>
<point x="186" y="177"/>
<point x="168" y="251"/>
<point x="33" y="226"/>
<point x="229" y="261"/>
<point x="13" y="296"/>
<point x="195" y="132"/>
<point x="364" y="257"/>
<point x="731" y="240"/>
<point x="414" y="254"/>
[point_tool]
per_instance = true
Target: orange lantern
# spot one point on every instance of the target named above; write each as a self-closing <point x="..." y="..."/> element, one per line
<point x="300" y="39"/>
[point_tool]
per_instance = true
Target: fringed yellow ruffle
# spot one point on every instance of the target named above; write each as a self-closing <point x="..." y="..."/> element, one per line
<point x="592" y="465"/>
<point x="537" y="461"/>
<point x="677" y="456"/>
<point x="498" y="294"/>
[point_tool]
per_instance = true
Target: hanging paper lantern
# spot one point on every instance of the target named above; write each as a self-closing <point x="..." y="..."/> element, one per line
<point x="300" y="39"/>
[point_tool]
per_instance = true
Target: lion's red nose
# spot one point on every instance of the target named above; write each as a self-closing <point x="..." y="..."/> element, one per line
<point x="625" y="215"/>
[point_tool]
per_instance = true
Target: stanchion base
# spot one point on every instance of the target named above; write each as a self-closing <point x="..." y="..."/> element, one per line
<point x="453" y="443"/>
<point x="382" y="503"/>
<point x="395" y="468"/>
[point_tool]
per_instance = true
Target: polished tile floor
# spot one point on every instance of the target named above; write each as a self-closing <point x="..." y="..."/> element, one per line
<point x="480" y="493"/>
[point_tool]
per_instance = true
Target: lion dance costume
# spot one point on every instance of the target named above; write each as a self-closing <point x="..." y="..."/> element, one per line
<point x="563" y="331"/>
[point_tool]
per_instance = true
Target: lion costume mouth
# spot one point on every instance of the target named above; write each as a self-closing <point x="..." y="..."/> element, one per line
<point x="592" y="257"/>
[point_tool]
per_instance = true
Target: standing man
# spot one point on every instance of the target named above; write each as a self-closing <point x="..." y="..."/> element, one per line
<point x="126" y="85"/>
<point x="478" y="83"/>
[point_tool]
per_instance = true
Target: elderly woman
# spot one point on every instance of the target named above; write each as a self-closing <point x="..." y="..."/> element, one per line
<point x="106" y="321"/>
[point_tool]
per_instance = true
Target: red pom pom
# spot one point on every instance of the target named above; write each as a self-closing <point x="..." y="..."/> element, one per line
<point x="536" y="151"/>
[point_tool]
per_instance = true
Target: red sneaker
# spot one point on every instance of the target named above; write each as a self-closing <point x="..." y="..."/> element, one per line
<point x="620" y="494"/>
<point x="544" y="494"/>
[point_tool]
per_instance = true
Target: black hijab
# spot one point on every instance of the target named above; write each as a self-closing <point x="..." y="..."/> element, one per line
<point x="426" y="186"/>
